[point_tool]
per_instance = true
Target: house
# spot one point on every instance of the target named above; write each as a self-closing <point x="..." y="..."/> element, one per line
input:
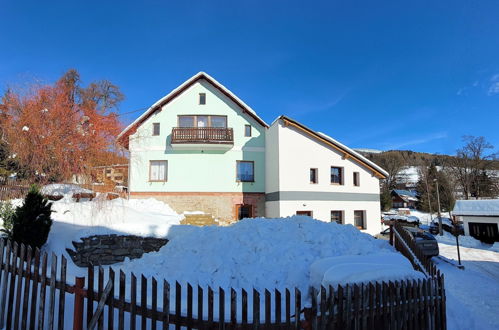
<point x="404" y="198"/>
<point x="201" y="148"/>
<point x="480" y="218"/>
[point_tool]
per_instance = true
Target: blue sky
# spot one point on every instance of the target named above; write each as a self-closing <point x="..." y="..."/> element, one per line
<point x="412" y="75"/>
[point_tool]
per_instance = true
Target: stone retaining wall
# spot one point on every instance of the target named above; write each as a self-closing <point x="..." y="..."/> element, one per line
<point x="110" y="249"/>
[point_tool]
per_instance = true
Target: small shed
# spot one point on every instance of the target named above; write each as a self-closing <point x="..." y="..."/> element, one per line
<point x="480" y="218"/>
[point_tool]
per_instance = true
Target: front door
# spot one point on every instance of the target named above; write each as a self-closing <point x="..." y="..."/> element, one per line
<point x="244" y="211"/>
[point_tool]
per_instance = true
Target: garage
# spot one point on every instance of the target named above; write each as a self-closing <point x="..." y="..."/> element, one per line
<point x="480" y="218"/>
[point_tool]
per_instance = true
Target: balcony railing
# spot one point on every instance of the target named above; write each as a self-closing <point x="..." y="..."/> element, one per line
<point x="210" y="135"/>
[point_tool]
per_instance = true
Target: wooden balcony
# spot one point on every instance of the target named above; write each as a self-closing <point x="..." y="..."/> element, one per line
<point x="202" y="135"/>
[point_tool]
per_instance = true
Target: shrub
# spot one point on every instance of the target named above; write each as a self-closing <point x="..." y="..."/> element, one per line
<point x="31" y="221"/>
<point x="7" y="214"/>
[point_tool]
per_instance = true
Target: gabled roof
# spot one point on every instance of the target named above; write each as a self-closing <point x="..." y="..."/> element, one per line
<point x="401" y="192"/>
<point x="483" y="207"/>
<point x="347" y="152"/>
<point x="122" y="137"/>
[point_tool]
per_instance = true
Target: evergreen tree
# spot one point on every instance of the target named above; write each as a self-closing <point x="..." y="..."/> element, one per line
<point x="31" y="221"/>
<point x="385" y="201"/>
<point x="427" y="190"/>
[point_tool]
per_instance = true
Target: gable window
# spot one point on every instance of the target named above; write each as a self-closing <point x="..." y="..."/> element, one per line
<point x="158" y="170"/>
<point x="356" y="179"/>
<point x="337" y="175"/>
<point x="155" y="129"/>
<point x="359" y="219"/>
<point x="202" y="98"/>
<point x="337" y="216"/>
<point x="202" y="121"/>
<point x="245" y="171"/>
<point x="247" y="130"/>
<point x="314" y="175"/>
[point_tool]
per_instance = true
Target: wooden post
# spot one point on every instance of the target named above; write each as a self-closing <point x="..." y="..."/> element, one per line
<point x="78" y="304"/>
<point x="391" y="234"/>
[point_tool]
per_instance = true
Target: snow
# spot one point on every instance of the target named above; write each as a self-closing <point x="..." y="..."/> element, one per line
<point x="409" y="218"/>
<point x="25" y="128"/>
<point x="466" y="241"/>
<point x="63" y="189"/>
<point x="362" y="269"/>
<point x="489" y="207"/>
<point x="254" y="253"/>
<point x="472" y="293"/>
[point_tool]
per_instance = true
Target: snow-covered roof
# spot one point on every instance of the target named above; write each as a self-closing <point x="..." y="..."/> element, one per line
<point x="410" y="193"/>
<point x="174" y="93"/>
<point x="355" y="155"/>
<point x="487" y="207"/>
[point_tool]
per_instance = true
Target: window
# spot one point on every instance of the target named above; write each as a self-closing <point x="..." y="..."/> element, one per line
<point x="337" y="216"/>
<point x="202" y="121"/>
<point x="306" y="213"/>
<point x="337" y="175"/>
<point x="202" y="98"/>
<point x="247" y="130"/>
<point x="359" y="219"/>
<point x="313" y="175"/>
<point x="245" y="171"/>
<point x="155" y="129"/>
<point x="158" y="170"/>
<point x="356" y="179"/>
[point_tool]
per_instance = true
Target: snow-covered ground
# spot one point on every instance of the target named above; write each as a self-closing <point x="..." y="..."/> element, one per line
<point x="472" y="293"/>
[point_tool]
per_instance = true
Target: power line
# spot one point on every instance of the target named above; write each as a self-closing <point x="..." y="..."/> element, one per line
<point x="133" y="111"/>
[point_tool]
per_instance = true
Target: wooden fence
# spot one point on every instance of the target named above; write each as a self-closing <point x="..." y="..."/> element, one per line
<point x="11" y="190"/>
<point x="36" y="294"/>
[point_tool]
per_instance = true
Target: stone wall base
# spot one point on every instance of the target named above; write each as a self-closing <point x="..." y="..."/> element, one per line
<point x="222" y="205"/>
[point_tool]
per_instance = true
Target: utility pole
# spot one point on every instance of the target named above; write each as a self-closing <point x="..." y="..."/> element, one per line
<point x="429" y="200"/>
<point x="441" y="233"/>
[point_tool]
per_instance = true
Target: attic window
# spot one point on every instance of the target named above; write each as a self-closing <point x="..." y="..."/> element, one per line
<point x="155" y="129"/>
<point x="202" y="98"/>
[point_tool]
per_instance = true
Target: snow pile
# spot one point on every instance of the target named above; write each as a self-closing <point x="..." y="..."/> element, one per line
<point x="63" y="189"/>
<point x="466" y="241"/>
<point x="259" y="253"/>
<point x="142" y="217"/>
<point x="362" y="269"/>
<point x="405" y="218"/>
<point x="488" y="207"/>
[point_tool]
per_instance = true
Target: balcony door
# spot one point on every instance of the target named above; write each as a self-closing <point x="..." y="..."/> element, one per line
<point x="202" y="121"/>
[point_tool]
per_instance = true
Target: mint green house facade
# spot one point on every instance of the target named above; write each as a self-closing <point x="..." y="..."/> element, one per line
<point x="200" y="148"/>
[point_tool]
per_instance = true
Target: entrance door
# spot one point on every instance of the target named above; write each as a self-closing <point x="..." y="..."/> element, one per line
<point x="485" y="232"/>
<point x="307" y="213"/>
<point x="244" y="211"/>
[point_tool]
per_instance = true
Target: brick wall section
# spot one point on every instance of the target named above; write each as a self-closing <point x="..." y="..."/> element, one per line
<point x="222" y="205"/>
<point x="110" y="249"/>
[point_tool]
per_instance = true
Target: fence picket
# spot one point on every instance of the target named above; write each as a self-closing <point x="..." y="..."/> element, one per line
<point x="277" y="306"/>
<point x="53" y="275"/>
<point x="297" y="308"/>
<point x="221" y="308"/>
<point x="288" y="309"/>
<point x="34" y="291"/>
<point x="20" y="269"/>
<point x="340" y="315"/>
<point x="233" y="308"/>
<point x="331" y="321"/>
<point x="166" y="305"/>
<point x="323" y="320"/>
<point x="41" y="304"/>
<point x="372" y="306"/>
<point x="313" y="312"/>
<point x="268" y="308"/>
<point x="443" y="301"/>
<point x="13" y="270"/>
<point x="90" y="292"/>
<point x="27" y="286"/>
<point x="244" y="308"/>
<point x="210" y="307"/>
<point x="178" y="305"/>
<point x="100" y="292"/>
<point x="121" y="310"/>
<point x="62" y="294"/>
<point x="143" y="302"/>
<point x="154" y="303"/>
<point x="356" y="306"/>
<point x="189" y="306"/>
<point x="110" y="302"/>
<point x="133" y="301"/>
<point x="256" y="309"/>
<point x="200" y="307"/>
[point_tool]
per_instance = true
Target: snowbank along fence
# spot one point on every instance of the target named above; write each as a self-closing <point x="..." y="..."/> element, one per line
<point x="36" y="294"/>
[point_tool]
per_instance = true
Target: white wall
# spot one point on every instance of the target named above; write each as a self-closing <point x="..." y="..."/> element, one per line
<point x="297" y="153"/>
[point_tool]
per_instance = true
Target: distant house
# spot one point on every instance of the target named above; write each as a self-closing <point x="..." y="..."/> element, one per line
<point x="480" y="218"/>
<point x="404" y="199"/>
<point x="201" y="148"/>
